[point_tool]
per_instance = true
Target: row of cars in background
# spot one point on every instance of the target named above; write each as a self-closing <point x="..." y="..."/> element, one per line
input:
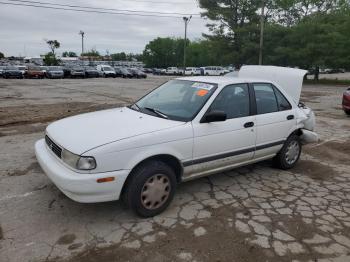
<point x="192" y="71"/>
<point x="33" y="71"/>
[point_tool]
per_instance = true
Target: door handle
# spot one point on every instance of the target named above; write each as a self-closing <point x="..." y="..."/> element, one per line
<point x="290" y="117"/>
<point x="249" y="124"/>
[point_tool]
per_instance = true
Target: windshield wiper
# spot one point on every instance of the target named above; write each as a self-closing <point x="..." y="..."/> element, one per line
<point x="157" y="112"/>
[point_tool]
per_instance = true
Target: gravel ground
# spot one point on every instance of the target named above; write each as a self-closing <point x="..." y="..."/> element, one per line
<point x="256" y="213"/>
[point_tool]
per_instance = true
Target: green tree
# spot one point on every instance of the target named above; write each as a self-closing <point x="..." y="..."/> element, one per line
<point x="53" y="45"/>
<point x="119" y="56"/>
<point x="164" y="52"/>
<point x="51" y="60"/>
<point x="69" y="54"/>
<point x="2" y="55"/>
<point x="92" y="52"/>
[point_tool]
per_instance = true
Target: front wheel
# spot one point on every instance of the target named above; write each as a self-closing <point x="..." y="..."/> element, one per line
<point x="347" y="112"/>
<point x="289" y="154"/>
<point x="151" y="189"/>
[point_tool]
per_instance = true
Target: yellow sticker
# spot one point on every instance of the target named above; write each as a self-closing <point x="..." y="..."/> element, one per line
<point x="202" y="92"/>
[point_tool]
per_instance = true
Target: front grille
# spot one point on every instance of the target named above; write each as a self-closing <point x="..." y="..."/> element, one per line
<point x="54" y="148"/>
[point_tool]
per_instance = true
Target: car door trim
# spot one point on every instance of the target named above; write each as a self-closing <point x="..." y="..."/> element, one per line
<point x="230" y="154"/>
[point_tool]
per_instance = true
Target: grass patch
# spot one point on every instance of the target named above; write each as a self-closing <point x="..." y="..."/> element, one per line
<point x="327" y="82"/>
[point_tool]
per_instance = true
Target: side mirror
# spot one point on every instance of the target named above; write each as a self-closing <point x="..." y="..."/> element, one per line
<point x="214" y="116"/>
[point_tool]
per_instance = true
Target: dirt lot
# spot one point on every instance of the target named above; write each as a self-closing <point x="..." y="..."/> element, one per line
<point x="256" y="213"/>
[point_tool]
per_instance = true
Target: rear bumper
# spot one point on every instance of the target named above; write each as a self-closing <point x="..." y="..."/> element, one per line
<point x="80" y="187"/>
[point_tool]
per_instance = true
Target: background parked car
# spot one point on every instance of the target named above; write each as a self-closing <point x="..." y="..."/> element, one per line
<point x="137" y="73"/>
<point x="66" y="71"/>
<point x="106" y="71"/>
<point x="77" y="71"/>
<point x="346" y="101"/>
<point x="125" y="73"/>
<point x="156" y="71"/>
<point x="54" y="72"/>
<point x="2" y="70"/>
<point x="91" y="72"/>
<point x="213" y="71"/>
<point x="12" y="72"/>
<point x="23" y="69"/>
<point x="34" y="72"/>
<point x="118" y="72"/>
<point x="192" y="71"/>
<point x="148" y="70"/>
<point x="172" y="71"/>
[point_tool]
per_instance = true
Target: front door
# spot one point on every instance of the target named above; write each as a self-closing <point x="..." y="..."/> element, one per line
<point x="220" y="145"/>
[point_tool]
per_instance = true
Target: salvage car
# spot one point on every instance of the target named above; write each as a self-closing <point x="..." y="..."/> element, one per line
<point x="137" y="73"/>
<point x="2" y="68"/>
<point x="346" y="101"/>
<point x="186" y="128"/>
<point x="106" y="71"/>
<point x="54" y="72"/>
<point x="34" y="72"/>
<point x="77" y="71"/>
<point x="125" y="73"/>
<point x="91" y="72"/>
<point x="12" y="72"/>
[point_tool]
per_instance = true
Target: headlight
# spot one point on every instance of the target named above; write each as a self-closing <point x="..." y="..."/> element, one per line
<point x="86" y="163"/>
<point x="78" y="162"/>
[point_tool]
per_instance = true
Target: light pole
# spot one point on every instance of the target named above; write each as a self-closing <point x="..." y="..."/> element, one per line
<point x="186" y="20"/>
<point x="262" y="22"/>
<point x="82" y="41"/>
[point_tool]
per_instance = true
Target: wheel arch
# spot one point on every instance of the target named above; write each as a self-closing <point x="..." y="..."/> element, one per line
<point x="168" y="159"/>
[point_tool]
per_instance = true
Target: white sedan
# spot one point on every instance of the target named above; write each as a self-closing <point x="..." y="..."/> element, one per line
<point x="187" y="128"/>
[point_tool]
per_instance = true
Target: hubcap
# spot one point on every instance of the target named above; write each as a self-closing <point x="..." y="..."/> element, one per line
<point x="292" y="152"/>
<point x="155" y="191"/>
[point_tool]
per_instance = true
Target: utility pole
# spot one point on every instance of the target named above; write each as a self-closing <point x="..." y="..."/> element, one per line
<point x="186" y="20"/>
<point x="262" y="22"/>
<point x="82" y="41"/>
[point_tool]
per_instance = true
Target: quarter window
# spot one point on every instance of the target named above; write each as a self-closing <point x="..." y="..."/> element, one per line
<point x="265" y="99"/>
<point x="233" y="100"/>
<point x="283" y="103"/>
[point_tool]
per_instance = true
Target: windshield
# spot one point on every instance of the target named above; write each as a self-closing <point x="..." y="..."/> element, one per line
<point x="53" y="68"/>
<point x="177" y="99"/>
<point x="107" y="68"/>
<point x="21" y="67"/>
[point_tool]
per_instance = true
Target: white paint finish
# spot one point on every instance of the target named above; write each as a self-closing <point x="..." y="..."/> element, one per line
<point x="81" y="133"/>
<point x="289" y="79"/>
<point x="79" y="187"/>
<point x="121" y="138"/>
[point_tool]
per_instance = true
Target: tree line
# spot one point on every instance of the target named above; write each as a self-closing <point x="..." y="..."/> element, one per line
<point x="303" y="33"/>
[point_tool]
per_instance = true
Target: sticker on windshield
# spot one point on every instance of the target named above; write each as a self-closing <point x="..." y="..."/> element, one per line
<point x="202" y="92"/>
<point x="203" y="86"/>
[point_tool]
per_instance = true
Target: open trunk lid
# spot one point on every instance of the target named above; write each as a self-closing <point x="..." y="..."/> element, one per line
<point x="290" y="79"/>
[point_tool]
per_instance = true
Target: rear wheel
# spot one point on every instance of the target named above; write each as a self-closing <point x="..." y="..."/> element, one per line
<point x="347" y="112"/>
<point x="151" y="189"/>
<point x="289" y="154"/>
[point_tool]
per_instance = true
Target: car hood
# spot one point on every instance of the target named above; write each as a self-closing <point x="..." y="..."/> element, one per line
<point x="82" y="133"/>
<point x="290" y="79"/>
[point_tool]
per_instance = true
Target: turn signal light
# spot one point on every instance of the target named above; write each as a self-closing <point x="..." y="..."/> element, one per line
<point x="106" y="179"/>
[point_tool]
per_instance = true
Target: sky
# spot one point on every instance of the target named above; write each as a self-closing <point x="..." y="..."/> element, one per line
<point x="23" y="30"/>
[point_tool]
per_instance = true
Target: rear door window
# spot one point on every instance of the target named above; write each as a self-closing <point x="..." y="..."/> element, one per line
<point x="283" y="103"/>
<point x="266" y="101"/>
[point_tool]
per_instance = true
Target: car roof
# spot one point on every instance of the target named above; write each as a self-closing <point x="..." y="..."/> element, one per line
<point x="221" y="80"/>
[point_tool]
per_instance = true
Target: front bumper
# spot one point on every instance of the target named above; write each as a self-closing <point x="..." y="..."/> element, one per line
<point x="80" y="187"/>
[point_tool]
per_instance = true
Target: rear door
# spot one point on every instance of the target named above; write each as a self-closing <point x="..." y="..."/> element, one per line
<point x="275" y="119"/>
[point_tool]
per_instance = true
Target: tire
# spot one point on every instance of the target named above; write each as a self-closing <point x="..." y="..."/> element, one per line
<point x="347" y="112"/>
<point x="289" y="155"/>
<point x="141" y="178"/>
